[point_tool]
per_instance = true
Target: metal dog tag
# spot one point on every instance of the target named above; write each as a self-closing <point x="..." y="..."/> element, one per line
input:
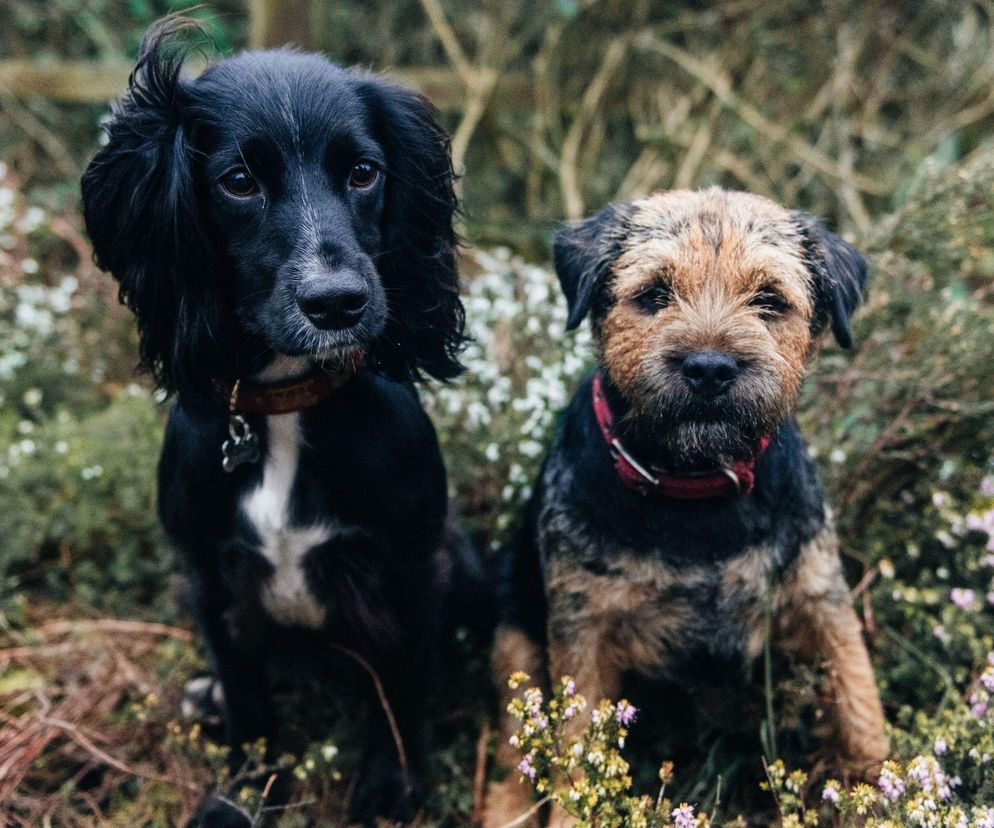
<point x="243" y="447"/>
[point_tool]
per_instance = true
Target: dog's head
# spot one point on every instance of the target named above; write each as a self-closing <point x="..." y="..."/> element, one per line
<point x="276" y="205"/>
<point x="705" y="307"/>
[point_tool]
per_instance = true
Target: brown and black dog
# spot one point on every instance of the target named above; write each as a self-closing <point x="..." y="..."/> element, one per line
<point x="678" y="509"/>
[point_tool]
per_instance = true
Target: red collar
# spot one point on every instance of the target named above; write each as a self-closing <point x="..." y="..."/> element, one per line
<point x="729" y="481"/>
<point x="288" y="397"/>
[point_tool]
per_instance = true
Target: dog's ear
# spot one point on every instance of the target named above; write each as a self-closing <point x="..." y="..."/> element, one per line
<point x="838" y="276"/>
<point x="583" y="254"/>
<point x="141" y="212"/>
<point x="424" y="334"/>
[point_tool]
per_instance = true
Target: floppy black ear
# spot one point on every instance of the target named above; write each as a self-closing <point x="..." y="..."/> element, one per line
<point x="583" y="255"/>
<point x="838" y="273"/>
<point x="141" y="212"/>
<point x="424" y="333"/>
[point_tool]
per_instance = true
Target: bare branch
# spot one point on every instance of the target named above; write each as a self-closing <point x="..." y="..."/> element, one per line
<point x="721" y="86"/>
<point x="568" y="163"/>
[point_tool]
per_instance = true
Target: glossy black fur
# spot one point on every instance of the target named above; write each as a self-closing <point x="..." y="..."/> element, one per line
<point x="193" y="265"/>
<point x="376" y="574"/>
<point x="212" y="282"/>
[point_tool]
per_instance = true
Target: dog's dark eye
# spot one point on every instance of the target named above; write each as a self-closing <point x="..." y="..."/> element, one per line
<point x="239" y="182"/>
<point x="363" y="175"/>
<point x="653" y="298"/>
<point x="770" y="303"/>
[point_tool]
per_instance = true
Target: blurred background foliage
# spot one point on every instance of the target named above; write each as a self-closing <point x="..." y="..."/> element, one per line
<point x="874" y="115"/>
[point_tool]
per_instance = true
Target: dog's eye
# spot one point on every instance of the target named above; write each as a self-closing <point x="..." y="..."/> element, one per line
<point x="652" y="299"/>
<point x="239" y="182"/>
<point x="770" y="303"/>
<point x="363" y="175"/>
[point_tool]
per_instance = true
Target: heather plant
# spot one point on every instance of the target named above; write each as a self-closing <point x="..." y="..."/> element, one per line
<point x="585" y="774"/>
<point x="521" y="369"/>
<point x="78" y="436"/>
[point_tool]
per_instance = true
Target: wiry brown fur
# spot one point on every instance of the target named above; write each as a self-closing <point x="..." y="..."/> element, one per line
<point x="716" y="252"/>
<point x="684" y="591"/>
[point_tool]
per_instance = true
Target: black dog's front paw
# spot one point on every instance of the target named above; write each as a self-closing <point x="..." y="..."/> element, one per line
<point x="385" y="791"/>
<point x="216" y="813"/>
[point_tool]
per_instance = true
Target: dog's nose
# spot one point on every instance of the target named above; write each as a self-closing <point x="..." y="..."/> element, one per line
<point x="333" y="302"/>
<point x="709" y="373"/>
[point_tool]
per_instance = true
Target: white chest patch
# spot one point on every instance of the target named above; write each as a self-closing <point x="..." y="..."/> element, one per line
<point x="285" y="594"/>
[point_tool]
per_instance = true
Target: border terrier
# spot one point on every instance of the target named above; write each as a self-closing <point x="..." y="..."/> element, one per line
<point x="678" y="512"/>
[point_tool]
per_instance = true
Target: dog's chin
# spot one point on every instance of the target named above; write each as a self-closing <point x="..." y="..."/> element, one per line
<point x="688" y="433"/>
<point x="697" y="444"/>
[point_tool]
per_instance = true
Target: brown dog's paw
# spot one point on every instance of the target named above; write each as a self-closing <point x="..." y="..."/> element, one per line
<point x="863" y="759"/>
<point x="507" y="803"/>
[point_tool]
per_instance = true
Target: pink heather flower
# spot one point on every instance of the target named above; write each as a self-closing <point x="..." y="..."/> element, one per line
<point x="941" y="746"/>
<point x="928" y="773"/>
<point x="625" y="713"/>
<point x="938" y="499"/>
<point x="978" y="709"/>
<point x="525" y="768"/>
<point x="683" y="817"/>
<point x="831" y="793"/>
<point x="988" y="560"/>
<point x="570" y="688"/>
<point x="963" y="598"/>
<point x="987" y="487"/>
<point x="987" y="679"/>
<point x="990" y="597"/>
<point x="940" y="632"/>
<point x="890" y="784"/>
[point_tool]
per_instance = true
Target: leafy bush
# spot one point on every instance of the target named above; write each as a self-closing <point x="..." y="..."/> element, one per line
<point x="78" y="439"/>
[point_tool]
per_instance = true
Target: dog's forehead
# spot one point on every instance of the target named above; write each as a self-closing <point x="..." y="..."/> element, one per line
<point x="676" y="219"/>
<point x="288" y="97"/>
<point x="736" y="238"/>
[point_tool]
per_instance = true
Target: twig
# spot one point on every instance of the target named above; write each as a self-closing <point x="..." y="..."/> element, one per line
<point x="721" y="86"/>
<point x="387" y="711"/>
<point x="589" y="104"/>
<point x="569" y="156"/>
<point x="522" y="818"/>
<point x="25" y="120"/>
<point x="698" y="148"/>
<point x="450" y="42"/>
<point x="117" y="626"/>
<point x="479" y="82"/>
<point x="84" y="742"/>
<point x="920" y="656"/>
<point x="480" y="774"/>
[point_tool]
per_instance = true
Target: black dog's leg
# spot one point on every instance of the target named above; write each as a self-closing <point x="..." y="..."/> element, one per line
<point x="248" y="713"/>
<point x="386" y="788"/>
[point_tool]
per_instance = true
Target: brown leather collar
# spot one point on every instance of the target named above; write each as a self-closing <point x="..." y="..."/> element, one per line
<point x="287" y="397"/>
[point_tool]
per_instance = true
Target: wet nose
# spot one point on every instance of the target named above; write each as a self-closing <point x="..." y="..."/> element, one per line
<point x="333" y="301"/>
<point x="709" y="373"/>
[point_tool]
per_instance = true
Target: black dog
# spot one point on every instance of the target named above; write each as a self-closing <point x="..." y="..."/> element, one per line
<point x="282" y="230"/>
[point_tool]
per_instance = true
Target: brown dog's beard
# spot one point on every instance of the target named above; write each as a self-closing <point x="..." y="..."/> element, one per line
<point x="678" y="432"/>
